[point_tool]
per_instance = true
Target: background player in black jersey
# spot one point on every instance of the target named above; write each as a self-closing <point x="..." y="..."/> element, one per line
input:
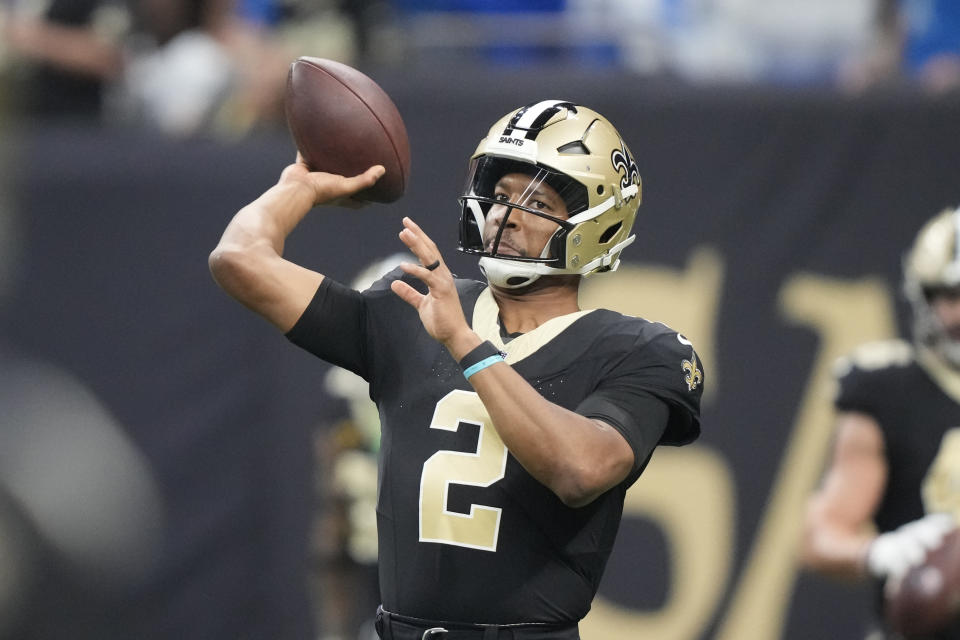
<point x="513" y="422"/>
<point x="896" y="458"/>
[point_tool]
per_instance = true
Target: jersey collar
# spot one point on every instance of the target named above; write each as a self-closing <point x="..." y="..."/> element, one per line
<point x="486" y="323"/>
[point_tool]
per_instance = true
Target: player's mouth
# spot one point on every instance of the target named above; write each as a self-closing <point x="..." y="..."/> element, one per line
<point x="504" y="248"/>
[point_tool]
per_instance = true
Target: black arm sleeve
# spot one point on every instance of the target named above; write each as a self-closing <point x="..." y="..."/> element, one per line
<point x="642" y="426"/>
<point x="332" y="326"/>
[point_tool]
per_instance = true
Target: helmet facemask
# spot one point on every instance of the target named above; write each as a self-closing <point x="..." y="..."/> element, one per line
<point x="928" y="330"/>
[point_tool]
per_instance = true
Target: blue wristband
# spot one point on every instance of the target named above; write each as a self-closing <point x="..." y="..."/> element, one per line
<point x="483" y="364"/>
<point x="484" y="355"/>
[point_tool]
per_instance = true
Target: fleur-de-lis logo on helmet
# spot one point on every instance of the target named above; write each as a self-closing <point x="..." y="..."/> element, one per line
<point x="625" y="166"/>
<point x="693" y="376"/>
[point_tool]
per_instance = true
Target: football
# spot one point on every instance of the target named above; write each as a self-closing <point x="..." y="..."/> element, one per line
<point x="926" y="599"/>
<point x="343" y="122"/>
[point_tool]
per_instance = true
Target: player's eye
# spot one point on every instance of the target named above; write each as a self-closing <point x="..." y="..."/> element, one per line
<point x="501" y="197"/>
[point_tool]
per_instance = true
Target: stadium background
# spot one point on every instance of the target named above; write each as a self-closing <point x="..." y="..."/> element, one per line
<point x="770" y="233"/>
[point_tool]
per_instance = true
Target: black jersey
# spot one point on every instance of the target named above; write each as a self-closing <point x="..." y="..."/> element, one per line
<point x="465" y="533"/>
<point x="916" y="402"/>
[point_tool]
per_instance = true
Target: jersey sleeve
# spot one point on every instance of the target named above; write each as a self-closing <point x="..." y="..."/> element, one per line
<point x="855" y="392"/>
<point x="867" y="378"/>
<point x="652" y="396"/>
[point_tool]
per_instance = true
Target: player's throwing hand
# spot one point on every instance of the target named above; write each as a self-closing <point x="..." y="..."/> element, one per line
<point x="329" y="188"/>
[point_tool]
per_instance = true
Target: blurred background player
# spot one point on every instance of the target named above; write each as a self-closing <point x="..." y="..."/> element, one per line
<point x="509" y="440"/>
<point x="891" y="492"/>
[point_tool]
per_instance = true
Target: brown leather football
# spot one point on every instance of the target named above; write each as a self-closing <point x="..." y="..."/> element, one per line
<point x="343" y="122"/>
<point x="927" y="598"/>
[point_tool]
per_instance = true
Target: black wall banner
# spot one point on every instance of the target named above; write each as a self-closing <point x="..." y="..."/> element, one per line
<point x="770" y="234"/>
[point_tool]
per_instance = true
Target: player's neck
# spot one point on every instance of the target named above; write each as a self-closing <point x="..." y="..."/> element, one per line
<point x="523" y="310"/>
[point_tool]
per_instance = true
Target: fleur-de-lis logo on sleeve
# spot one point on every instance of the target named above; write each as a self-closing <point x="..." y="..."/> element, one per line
<point x="693" y="376"/>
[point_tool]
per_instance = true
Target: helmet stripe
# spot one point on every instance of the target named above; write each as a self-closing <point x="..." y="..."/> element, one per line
<point x="513" y="121"/>
<point x="541" y="120"/>
<point x="532" y="117"/>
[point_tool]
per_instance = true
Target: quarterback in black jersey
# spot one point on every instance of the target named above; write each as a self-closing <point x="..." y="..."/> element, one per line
<point x="513" y="422"/>
<point x="896" y="456"/>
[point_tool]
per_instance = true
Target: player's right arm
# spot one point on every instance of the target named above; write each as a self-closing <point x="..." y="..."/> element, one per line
<point x="248" y="261"/>
<point x="838" y="525"/>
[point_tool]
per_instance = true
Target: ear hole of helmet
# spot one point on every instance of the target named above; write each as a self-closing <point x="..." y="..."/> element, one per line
<point x="609" y="232"/>
<point x="574" y="148"/>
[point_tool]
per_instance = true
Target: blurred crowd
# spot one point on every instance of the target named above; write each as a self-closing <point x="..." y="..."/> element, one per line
<point x="199" y="66"/>
<point x="180" y="66"/>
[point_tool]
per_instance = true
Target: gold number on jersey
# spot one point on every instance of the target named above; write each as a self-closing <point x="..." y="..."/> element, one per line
<point x="481" y="527"/>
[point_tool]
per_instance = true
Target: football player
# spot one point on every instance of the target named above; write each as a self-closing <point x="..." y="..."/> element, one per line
<point x="890" y="493"/>
<point x="513" y="421"/>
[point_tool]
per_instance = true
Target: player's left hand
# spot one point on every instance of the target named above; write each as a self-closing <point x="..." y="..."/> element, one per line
<point x="893" y="553"/>
<point x="439" y="309"/>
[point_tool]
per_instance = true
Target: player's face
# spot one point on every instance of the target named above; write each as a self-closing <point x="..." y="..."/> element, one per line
<point x="946" y="307"/>
<point x="525" y="234"/>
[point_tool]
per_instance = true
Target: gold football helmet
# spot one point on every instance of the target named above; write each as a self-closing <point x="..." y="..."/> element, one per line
<point x="578" y="153"/>
<point x="932" y="265"/>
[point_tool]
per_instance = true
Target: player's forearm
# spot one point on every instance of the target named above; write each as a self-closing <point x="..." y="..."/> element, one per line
<point x="561" y="449"/>
<point x="254" y="240"/>
<point x="834" y="549"/>
<point x="838" y="556"/>
<point x="269" y="219"/>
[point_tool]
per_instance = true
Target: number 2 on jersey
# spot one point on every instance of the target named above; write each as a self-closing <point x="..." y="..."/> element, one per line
<point x="481" y="527"/>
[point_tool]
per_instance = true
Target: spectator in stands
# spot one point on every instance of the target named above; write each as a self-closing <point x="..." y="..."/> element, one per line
<point x="180" y="66"/>
<point x="72" y="53"/>
<point x="917" y="42"/>
<point x="161" y="64"/>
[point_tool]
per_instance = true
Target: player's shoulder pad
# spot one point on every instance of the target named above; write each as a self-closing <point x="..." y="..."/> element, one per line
<point x="655" y="336"/>
<point x="875" y="356"/>
<point x="669" y="350"/>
